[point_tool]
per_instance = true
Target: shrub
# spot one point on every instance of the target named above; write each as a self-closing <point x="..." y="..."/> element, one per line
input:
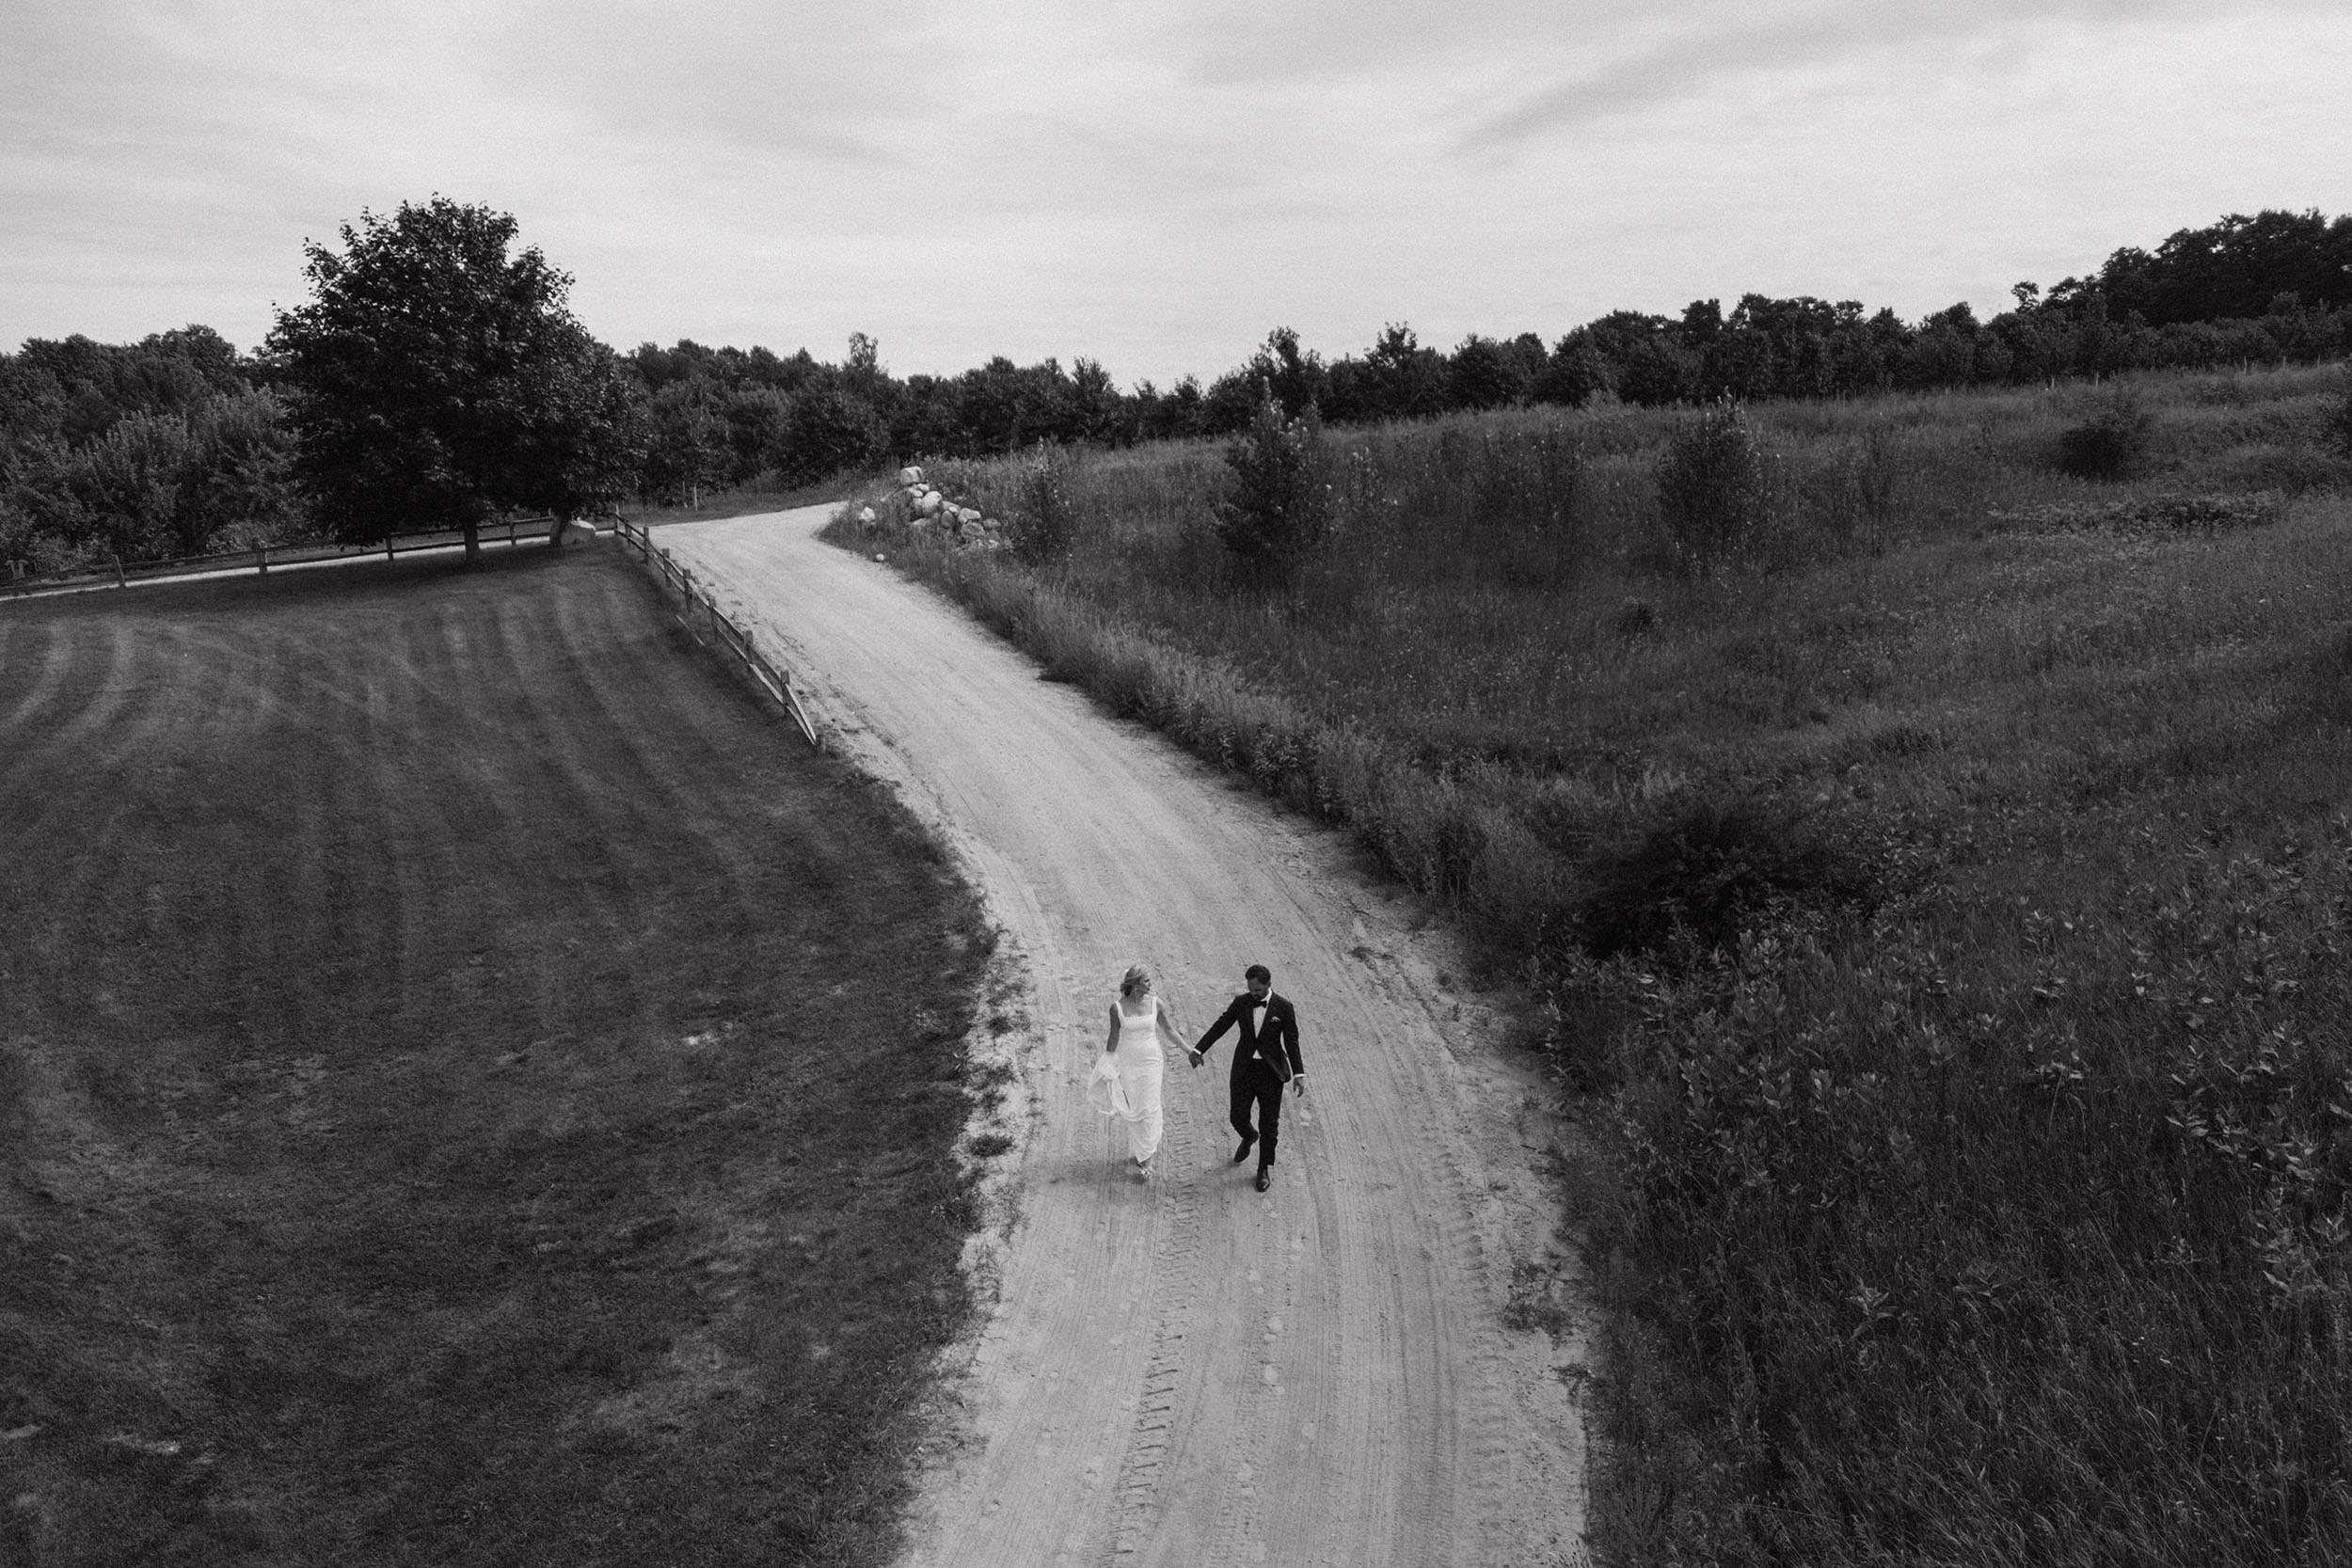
<point x="2340" y="415"/>
<point x="1280" y="509"/>
<point x="2145" y="514"/>
<point x="2111" y="444"/>
<point x="1853" y="496"/>
<point x="1714" y="486"/>
<point x="1710" y="869"/>
<point x="1044" y="519"/>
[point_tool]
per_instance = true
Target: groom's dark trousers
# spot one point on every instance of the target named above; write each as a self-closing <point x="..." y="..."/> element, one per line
<point x="1255" y="1083"/>
<point x="1265" y="1058"/>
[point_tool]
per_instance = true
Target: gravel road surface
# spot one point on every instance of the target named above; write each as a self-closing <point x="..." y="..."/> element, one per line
<point x="1343" y="1372"/>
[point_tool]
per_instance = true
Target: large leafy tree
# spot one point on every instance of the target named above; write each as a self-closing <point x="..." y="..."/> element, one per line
<point x="438" y="379"/>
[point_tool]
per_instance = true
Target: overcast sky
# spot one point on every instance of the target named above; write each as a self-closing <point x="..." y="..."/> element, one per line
<point x="1153" y="183"/>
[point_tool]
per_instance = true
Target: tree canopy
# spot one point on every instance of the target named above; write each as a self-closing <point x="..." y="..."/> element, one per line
<point x="159" y="448"/>
<point x="438" y="378"/>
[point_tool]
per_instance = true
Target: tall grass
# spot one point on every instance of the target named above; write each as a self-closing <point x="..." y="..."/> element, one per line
<point x="1942" y="902"/>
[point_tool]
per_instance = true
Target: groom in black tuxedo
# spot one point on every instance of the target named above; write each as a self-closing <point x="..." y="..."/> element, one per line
<point x="1267" y="1058"/>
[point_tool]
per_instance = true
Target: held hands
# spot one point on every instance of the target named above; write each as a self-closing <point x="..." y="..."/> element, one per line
<point x="1194" y="1055"/>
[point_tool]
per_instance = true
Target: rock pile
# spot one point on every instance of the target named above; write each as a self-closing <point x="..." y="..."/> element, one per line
<point x="927" y="507"/>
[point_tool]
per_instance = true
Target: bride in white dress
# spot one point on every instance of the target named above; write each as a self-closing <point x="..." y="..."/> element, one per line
<point x="1127" y="1079"/>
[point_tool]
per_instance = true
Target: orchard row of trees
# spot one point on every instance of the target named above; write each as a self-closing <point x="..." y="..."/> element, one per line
<point x="436" y="377"/>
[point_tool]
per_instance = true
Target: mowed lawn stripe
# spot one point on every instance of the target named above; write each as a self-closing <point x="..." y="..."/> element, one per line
<point x="474" y="1088"/>
<point x="93" y="681"/>
<point x="32" y="674"/>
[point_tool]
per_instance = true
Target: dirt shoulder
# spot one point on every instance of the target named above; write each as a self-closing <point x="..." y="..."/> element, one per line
<point x="1341" y="1372"/>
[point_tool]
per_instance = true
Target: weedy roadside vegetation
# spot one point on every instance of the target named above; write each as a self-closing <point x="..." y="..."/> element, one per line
<point x="1044" y="519"/>
<point x="1940" y="904"/>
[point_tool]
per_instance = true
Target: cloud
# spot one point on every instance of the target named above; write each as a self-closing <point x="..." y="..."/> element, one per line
<point x="1153" y="183"/>
<point x="1747" y="40"/>
<point x="1233" y="42"/>
<point x="778" y="81"/>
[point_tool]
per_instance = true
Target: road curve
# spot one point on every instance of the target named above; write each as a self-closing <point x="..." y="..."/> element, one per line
<point x="1183" y="1371"/>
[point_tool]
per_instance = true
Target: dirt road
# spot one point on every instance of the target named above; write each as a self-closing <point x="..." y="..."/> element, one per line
<point x="1182" y="1371"/>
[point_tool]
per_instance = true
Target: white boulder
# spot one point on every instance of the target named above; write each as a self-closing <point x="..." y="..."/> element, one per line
<point x="910" y="476"/>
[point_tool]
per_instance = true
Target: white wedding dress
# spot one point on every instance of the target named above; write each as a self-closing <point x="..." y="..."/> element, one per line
<point x="1126" y="1081"/>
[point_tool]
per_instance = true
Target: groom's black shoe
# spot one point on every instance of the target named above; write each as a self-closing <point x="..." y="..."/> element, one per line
<point x="1243" y="1153"/>
<point x="1266" y="1177"/>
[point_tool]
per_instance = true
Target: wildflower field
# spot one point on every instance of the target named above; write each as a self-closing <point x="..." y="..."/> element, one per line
<point x="1929" y="867"/>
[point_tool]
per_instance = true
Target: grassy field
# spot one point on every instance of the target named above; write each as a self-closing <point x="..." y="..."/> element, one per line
<point x="1939" y="899"/>
<point x="473" y="1088"/>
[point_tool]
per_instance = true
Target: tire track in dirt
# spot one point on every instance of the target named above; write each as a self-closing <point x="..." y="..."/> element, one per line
<point x="1142" y="1481"/>
<point x="1188" y="1371"/>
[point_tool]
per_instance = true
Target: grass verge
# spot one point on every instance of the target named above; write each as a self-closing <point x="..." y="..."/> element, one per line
<point x="1939" y="894"/>
<point x="474" y="1088"/>
<point x="741" y="502"/>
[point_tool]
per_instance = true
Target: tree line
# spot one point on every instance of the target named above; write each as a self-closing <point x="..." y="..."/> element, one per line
<point x="362" y="411"/>
<point x="169" y="445"/>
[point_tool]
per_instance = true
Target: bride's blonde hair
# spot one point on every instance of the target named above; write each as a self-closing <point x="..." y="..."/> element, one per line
<point x="1135" y="981"/>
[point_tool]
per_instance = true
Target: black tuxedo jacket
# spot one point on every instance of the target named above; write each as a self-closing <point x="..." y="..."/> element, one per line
<point x="1276" y="1044"/>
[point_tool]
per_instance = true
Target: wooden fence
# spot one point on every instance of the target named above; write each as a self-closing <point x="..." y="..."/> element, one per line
<point x="118" y="573"/>
<point x="695" y="604"/>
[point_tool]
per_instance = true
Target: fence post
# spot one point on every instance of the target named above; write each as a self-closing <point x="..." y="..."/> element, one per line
<point x="261" y="559"/>
<point x="120" y="580"/>
<point x="388" y="544"/>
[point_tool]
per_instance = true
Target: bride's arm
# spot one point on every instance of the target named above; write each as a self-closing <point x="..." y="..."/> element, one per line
<point x="1167" y="1027"/>
<point x="1110" y="1041"/>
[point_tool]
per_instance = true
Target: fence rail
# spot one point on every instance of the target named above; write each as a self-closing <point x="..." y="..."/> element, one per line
<point x="697" y="603"/>
<point x="261" y="558"/>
